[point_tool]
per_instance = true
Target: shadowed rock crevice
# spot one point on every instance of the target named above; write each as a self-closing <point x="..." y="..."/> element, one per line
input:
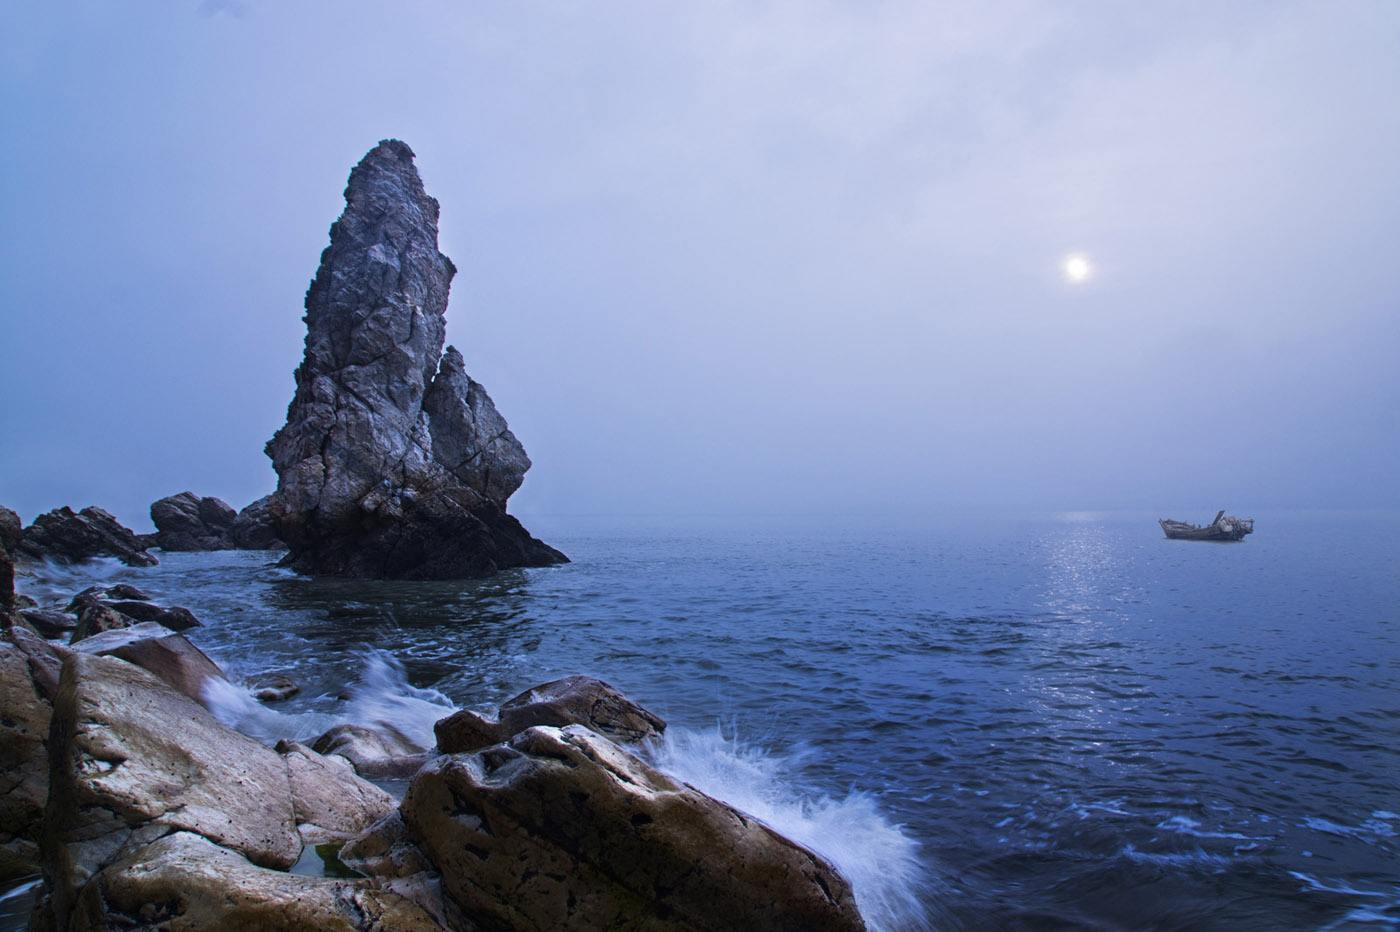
<point x="393" y="462"/>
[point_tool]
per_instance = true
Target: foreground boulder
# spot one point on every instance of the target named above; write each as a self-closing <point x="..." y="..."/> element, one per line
<point x="393" y="462"/>
<point x="186" y="883"/>
<point x="153" y="648"/>
<point x="190" y="522"/>
<point x="254" y="528"/>
<point x="573" y="700"/>
<point x="69" y="536"/>
<point x="561" y="828"/>
<point x="28" y="684"/>
<point x="133" y="760"/>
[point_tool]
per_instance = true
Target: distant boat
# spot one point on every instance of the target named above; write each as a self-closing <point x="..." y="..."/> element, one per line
<point x="1224" y="527"/>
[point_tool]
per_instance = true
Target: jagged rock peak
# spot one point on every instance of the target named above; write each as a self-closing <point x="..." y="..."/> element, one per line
<point x="393" y="462"/>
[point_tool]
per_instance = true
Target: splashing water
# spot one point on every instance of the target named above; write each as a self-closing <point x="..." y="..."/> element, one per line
<point x="879" y="860"/>
<point x="382" y="698"/>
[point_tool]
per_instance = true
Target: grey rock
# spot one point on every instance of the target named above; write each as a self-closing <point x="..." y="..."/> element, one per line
<point x="190" y="522"/>
<point x="393" y="463"/>
<point x="254" y="528"/>
<point x="573" y="700"/>
<point x="69" y="536"/>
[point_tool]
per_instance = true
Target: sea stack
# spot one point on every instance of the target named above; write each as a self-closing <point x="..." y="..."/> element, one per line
<point x="393" y="463"/>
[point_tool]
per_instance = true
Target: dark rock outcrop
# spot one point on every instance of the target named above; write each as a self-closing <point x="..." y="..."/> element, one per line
<point x="190" y="522"/>
<point x="69" y="536"/>
<point x="573" y="700"/>
<point x="174" y="617"/>
<point x="49" y="623"/>
<point x="254" y="528"/>
<point x="393" y="463"/>
<point x="97" y="618"/>
<point x="120" y="591"/>
<point x="561" y="828"/>
<point x="10" y="529"/>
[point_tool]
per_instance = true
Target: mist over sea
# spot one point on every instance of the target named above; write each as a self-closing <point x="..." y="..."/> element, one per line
<point x="984" y="721"/>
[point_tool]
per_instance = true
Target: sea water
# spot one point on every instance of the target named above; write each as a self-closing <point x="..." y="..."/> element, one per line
<point x="984" y="722"/>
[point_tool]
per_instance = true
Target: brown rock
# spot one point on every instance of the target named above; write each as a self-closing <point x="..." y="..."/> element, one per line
<point x="374" y="752"/>
<point x="24" y="761"/>
<point x="132" y="760"/>
<point x="152" y="647"/>
<point x="120" y="591"/>
<point x="573" y="700"/>
<point x="272" y="687"/>
<point x="330" y="801"/>
<point x="184" y="883"/>
<point x="96" y="618"/>
<point x="561" y="828"/>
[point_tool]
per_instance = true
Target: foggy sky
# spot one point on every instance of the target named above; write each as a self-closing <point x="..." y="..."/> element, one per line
<point x="729" y="257"/>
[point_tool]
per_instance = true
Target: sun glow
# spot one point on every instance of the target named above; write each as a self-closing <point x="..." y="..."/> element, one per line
<point x="1077" y="268"/>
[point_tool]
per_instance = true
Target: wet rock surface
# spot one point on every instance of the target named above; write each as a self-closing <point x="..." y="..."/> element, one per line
<point x="69" y="536"/>
<point x="331" y="802"/>
<point x="133" y="760"/>
<point x="572" y="700"/>
<point x="27" y="686"/>
<point x="374" y="752"/>
<point x="187" y="522"/>
<point x="561" y="828"/>
<point x="272" y="687"/>
<point x="393" y="463"/>
<point x="184" y="882"/>
<point x="155" y="649"/>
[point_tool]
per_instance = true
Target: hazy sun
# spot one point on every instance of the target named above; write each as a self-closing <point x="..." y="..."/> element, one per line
<point x="1077" y="268"/>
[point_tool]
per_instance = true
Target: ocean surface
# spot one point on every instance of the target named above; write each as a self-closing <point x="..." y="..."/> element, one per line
<point x="1029" y="722"/>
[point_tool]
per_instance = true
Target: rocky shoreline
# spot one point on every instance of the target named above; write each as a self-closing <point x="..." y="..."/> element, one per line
<point x="139" y="809"/>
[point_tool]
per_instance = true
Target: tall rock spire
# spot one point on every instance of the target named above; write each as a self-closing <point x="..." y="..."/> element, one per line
<point x="393" y="462"/>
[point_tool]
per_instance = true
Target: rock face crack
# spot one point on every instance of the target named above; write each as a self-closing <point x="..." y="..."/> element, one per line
<point x="393" y="462"/>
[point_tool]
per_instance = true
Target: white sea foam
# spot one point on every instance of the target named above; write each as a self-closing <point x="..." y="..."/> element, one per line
<point x="382" y="697"/>
<point x="879" y="860"/>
